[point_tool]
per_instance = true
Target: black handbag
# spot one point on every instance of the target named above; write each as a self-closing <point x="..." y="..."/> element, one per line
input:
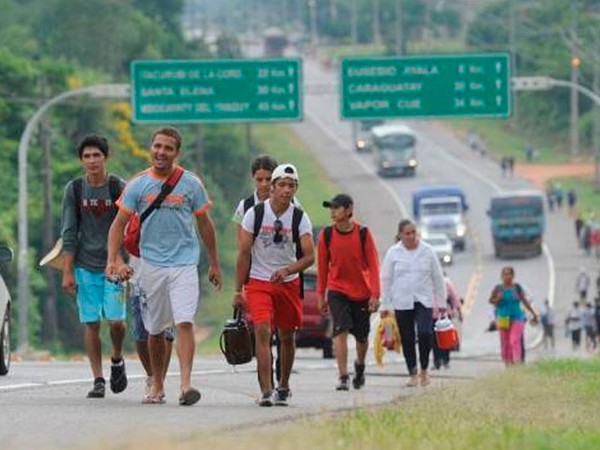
<point x="235" y="341"/>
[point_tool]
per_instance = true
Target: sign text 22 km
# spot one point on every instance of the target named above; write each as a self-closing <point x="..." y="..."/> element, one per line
<point x="426" y="86"/>
<point x="215" y="91"/>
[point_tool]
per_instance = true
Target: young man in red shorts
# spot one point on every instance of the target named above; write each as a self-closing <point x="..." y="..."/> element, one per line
<point x="275" y="244"/>
<point x="348" y="274"/>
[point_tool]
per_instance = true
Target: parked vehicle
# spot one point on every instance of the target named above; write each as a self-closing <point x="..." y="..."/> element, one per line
<point x="316" y="330"/>
<point x="442" y="209"/>
<point x="394" y="148"/>
<point x="6" y="255"/>
<point x="517" y="222"/>
<point x="442" y="245"/>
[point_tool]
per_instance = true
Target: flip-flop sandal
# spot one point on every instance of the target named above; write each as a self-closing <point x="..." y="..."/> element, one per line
<point x="189" y="397"/>
<point x="149" y="400"/>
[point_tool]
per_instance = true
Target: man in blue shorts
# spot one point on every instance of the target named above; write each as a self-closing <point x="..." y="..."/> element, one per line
<point x="170" y="251"/>
<point x="88" y="209"/>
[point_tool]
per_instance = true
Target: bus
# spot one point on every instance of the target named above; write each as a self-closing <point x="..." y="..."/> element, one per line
<point x="394" y="149"/>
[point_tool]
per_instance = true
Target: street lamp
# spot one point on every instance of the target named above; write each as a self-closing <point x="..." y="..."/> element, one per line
<point x="98" y="91"/>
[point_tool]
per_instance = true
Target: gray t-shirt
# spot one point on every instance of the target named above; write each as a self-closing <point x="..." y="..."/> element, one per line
<point x="88" y="239"/>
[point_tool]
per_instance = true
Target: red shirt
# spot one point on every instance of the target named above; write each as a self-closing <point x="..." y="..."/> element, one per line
<point x="346" y="268"/>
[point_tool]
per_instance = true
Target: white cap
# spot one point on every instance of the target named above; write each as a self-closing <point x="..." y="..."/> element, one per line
<point x="284" y="171"/>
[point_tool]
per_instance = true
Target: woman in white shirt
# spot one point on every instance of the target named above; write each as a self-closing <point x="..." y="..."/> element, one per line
<point x="413" y="285"/>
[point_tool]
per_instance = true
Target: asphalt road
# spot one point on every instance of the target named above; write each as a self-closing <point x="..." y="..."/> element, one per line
<point x="43" y="404"/>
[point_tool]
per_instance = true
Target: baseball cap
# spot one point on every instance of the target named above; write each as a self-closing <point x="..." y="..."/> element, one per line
<point x="343" y="200"/>
<point x="284" y="171"/>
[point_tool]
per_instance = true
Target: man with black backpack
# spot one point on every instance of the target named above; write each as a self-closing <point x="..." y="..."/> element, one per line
<point x="88" y="209"/>
<point x="275" y="245"/>
<point x="348" y="273"/>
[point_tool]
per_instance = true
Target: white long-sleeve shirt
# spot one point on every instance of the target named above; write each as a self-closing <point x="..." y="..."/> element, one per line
<point x="411" y="276"/>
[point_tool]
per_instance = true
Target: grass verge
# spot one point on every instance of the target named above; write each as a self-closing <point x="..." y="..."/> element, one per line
<point x="548" y="405"/>
<point x="588" y="198"/>
<point x="283" y="144"/>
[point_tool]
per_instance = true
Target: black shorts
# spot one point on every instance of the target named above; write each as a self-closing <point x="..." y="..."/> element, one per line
<point x="349" y="315"/>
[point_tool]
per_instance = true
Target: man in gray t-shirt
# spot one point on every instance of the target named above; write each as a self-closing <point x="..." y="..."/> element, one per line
<point x="88" y="209"/>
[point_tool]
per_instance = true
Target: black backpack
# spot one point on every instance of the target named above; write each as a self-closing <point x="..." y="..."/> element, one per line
<point x="259" y="214"/>
<point x="328" y="232"/>
<point x="114" y="188"/>
<point x="248" y="203"/>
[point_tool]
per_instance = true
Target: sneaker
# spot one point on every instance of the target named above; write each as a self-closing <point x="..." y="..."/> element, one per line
<point x="118" y="377"/>
<point x="424" y="378"/>
<point x="98" y="390"/>
<point x="343" y="384"/>
<point x="358" y="380"/>
<point x="281" y="396"/>
<point x="266" y="399"/>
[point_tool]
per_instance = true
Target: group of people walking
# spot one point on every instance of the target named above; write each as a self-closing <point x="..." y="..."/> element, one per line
<point x="275" y="244"/>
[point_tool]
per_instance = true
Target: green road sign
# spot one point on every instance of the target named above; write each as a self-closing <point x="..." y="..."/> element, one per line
<point x="215" y="91"/>
<point x="426" y="86"/>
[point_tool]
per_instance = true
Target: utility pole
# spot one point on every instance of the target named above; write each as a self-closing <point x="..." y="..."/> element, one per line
<point x="376" y="23"/>
<point x="354" y="23"/>
<point x="574" y="97"/>
<point x="596" y="128"/>
<point x="314" y="38"/>
<point x="512" y="38"/>
<point x="400" y="48"/>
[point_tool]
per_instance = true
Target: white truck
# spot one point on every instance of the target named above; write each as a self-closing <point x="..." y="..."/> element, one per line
<point x="442" y="209"/>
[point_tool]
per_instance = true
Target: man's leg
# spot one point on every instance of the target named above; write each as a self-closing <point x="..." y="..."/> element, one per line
<point x="93" y="347"/>
<point x="117" y="336"/>
<point x="340" y="342"/>
<point x="157" y="350"/>
<point x="185" y="351"/>
<point x="264" y="366"/>
<point x="288" y="353"/>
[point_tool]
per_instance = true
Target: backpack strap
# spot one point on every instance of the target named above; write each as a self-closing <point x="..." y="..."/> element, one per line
<point x="114" y="187"/>
<point x="296" y="219"/>
<point x="77" y="193"/>
<point x="248" y="203"/>
<point x="259" y="214"/>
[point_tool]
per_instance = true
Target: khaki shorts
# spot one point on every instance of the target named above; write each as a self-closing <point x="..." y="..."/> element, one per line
<point x="168" y="295"/>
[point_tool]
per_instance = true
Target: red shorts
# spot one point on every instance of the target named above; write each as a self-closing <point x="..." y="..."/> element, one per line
<point x="276" y="304"/>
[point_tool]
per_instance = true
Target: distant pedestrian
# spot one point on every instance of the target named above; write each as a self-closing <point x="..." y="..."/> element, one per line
<point x="412" y="285"/>
<point x="529" y="152"/>
<point x="504" y="166"/>
<point x="550" y="197"/>
<point x="348" y="285"/>
<point x="558" y="195"/>
<point x="508" y="297"/>
<point x="571" y="201"/>
<point x="548" y="319"/>
<point x="510" y="161"/>
<point x="598" y="285"/>
<point x="589" y="325"/>
<point x="578" y="228"/>
<point x="574" y="324"/>
<point x="88" y="208"/>
<point x="582" y="284"/>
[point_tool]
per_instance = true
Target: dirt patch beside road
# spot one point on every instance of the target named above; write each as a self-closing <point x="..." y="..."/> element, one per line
<point x="541" y="174"/>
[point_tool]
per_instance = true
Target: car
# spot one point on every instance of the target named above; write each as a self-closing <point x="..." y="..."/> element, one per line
<point x="316" y="329"/>
<point x="442" y="245"/>
<point x="6" y="255"/>
<point x="362" y="142"/>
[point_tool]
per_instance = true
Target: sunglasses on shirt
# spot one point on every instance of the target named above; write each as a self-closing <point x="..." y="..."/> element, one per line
<point x="278" y="228"/>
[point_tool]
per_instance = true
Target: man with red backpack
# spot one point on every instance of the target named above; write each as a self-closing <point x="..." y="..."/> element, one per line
<point x="348" y="285"/>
